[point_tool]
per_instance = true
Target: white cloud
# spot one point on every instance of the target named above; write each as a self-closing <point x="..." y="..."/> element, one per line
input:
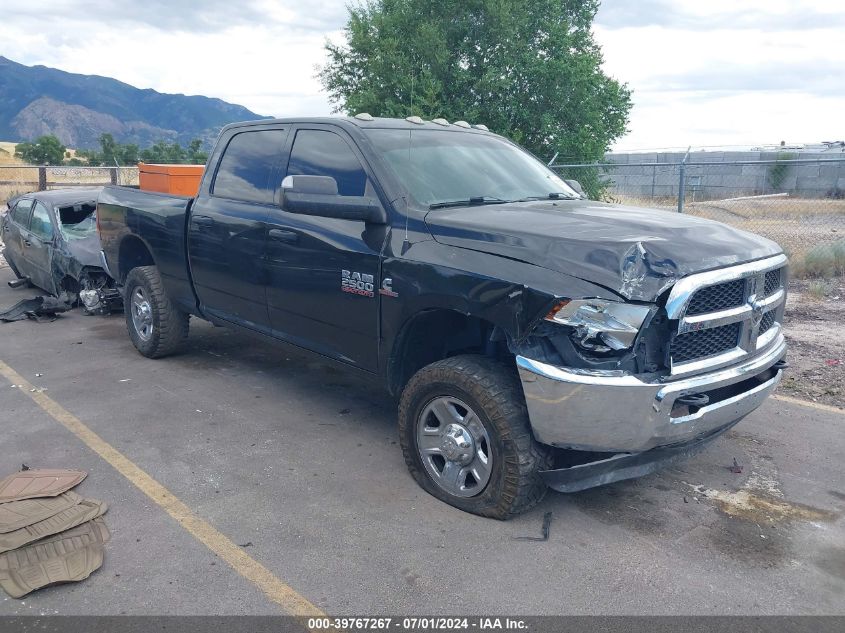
<point x="767" y="73"/>
<point x="703" y="73"/>
<point x="267" y="64"/>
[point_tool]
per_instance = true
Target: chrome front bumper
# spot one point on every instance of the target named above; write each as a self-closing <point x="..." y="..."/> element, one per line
<point x="630" y="414"/>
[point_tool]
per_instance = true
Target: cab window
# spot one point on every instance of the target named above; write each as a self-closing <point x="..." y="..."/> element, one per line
<point x="246" y="169"/>
<point x="40" y="224"/>
<point x="323" y="153"/>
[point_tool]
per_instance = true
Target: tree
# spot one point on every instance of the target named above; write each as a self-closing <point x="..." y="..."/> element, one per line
<point x="46" y="150"/>
<point x="164" y="152"/>
<point x="528" y="69"/>
<point x="111" y="153"/>
<point x="196" y="155"/>
<point x="173" y="153"/>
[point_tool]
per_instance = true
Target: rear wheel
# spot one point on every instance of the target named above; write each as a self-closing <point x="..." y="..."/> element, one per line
<point x="157" y="328"/>
<point x="466" y="438"/>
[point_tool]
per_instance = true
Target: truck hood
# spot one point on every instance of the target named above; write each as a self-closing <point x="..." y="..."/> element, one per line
<point x="637" y="253"/>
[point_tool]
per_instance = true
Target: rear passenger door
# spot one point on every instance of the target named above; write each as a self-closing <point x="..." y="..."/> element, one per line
<point x="38" y="247"/>
<point x="227" y="227"/>
<point x="308" y="257"/>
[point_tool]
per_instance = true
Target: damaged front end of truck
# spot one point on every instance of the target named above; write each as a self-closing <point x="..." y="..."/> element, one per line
<point x="660" y="331"/>
<point x="620" y="389"/>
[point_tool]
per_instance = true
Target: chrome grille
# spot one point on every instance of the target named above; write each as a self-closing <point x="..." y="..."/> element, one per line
<point x="705" y="343"/>
<point x="772" y="282"/>
<point x="718" y="297"/>
<point x="767" y="322"/>
<point x="726" y="314"/>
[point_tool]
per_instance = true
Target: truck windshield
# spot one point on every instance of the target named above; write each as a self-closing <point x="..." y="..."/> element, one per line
<point x="440" y="168"/>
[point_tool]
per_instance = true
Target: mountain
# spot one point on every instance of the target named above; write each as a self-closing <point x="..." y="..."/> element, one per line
<point x="37" y="100"/>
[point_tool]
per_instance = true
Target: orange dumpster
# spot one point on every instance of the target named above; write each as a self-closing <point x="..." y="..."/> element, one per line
<point x="182" y="180"/>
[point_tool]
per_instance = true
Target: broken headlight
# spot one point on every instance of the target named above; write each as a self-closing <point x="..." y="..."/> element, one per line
<point x="600" y="325"/>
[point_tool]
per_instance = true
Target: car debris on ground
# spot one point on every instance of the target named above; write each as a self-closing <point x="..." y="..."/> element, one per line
<point x="48" y="533"/>
<point x="37" y="309"/>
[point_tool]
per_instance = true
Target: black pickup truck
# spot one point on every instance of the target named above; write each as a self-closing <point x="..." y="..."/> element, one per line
<point x="533" y="338"/>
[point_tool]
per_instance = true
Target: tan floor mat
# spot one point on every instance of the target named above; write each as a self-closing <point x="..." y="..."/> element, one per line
<point x="15" y="515"/>
<point x="86" y="510"/>
<point x="67" y="557"/>
<point x="38" y="483"/>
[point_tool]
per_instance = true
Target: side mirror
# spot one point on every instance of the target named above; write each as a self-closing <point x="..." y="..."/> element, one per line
<point x="574" y="184"/>
<point x="317" y="195"/>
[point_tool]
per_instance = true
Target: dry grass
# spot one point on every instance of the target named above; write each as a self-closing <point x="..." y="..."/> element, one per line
<point x="817" y="290"/>
<point x="825" y="260"/>
<point x="799" y="225"/>
<point x="7" y="153"/>
<point x="22" y="176"/>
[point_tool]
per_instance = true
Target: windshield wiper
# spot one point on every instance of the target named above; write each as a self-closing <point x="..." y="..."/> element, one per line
<point x="555" y="195"/>
<point x="469" y="202"/>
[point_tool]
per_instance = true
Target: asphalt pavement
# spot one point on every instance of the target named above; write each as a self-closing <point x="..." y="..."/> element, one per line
<point x="298" y="464"/>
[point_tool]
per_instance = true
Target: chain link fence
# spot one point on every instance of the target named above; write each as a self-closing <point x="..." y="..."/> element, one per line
<point x="18" y="179"/>
<point x="797" y="202"/>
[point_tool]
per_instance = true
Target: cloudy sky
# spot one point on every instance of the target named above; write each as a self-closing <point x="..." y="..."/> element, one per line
<point x="703" y="73"/>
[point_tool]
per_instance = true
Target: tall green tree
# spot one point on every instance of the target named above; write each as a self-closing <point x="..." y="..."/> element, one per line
<point x="46" y="150"/>
<point x="111" y="152"/>
<point x="173" y="153"/>
<point x="528" y="69"/>
<point x="114" y="153"/>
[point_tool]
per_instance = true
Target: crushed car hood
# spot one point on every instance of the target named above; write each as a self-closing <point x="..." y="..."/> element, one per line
<point x="85" y="250"/>
<point x="637" y="253"/>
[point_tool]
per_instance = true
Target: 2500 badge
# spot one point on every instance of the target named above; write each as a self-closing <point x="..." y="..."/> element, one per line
<point x="357" y="283"/>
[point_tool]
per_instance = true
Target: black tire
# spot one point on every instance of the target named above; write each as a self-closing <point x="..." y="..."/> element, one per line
<point x="494" y="393"/>
<point x="169" y="326"/>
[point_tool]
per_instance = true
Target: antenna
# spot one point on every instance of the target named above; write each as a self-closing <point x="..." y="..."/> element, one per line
<point x="406" y="243"/>
<point x="411" y="113"/>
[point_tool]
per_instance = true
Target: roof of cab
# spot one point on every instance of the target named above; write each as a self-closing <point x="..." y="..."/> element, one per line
<point x="376" y="122"/>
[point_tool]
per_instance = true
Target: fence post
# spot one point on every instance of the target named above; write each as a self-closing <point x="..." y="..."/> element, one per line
<point x="653" y="180"/>
<point x="682" y="185"/>
<point x="113" y="175"/>
<point x="42" y="178"/>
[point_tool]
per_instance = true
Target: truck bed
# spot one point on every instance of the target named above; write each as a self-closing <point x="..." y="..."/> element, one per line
<point x="157" y="221"/>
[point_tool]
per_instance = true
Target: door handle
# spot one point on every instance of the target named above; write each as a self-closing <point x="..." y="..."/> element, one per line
<point x="203" y="221"/>
<point x="27" y="243"/>
<point x="280" y="235"/>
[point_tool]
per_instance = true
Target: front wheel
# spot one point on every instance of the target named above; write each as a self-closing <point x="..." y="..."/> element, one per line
<point x="157" y="328"/>
<point x="467" y="440"/>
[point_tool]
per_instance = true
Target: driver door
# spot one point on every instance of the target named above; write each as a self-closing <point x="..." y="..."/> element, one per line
<point x="323" y="273"/>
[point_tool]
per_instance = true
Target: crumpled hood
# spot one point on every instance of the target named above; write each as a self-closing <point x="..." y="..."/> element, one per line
<point x="85" y="250"/>
<point x="637" y="253"/>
